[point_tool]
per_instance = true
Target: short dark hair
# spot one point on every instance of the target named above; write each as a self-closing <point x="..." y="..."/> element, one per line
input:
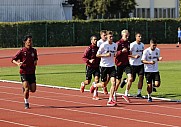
<point x="137" y="34"/>
<point x="26" y="37"/>
<point x="153" y="41"/>
<point x="92" y="37"/>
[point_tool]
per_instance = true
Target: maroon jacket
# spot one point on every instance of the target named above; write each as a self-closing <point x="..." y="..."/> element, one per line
<point x="90" y="53"/>
<point x="122" y="58"/>
<point x="27" y="56"/>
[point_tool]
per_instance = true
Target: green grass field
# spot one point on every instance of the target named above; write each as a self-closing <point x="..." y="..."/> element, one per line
<point x="73" y="75"/>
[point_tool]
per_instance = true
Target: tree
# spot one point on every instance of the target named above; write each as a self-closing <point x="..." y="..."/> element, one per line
<point x="124" y="7"/>
<point x="95" y="7"/>
<point x="84" y="9"/>
<point x="78" y="9"/>
<point x="102" y="7"/>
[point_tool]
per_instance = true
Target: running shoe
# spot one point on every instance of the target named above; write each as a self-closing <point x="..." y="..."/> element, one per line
<point x="111" y="103"/>
<point x="139" y="96"/>
<point x="27" y="106"/>
<point x="82" y="87"/>
<point x="149" y="99"/>
<point x="123" y="83"/>
<point x="95" y="98"/>
<point x="126" y="98"/>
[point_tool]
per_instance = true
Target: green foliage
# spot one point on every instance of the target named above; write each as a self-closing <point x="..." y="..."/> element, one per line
<point x="78" y="9"/>
<point x="104" y="8"/>
<point x="124" y="7"/>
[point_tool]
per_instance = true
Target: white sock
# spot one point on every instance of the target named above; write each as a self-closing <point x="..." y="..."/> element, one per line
<point x="126" y="93"/>
<point x="110" y="99"/>
<point x="26" y="100"/>
<point x="139" y="91"/>
<point x="149" y="95"/>
<point x="82" y="84"/>
<point x="114" y="93"/>
<point x="95" y="93"/>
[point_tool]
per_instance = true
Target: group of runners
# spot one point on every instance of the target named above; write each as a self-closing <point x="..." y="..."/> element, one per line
<point x="107" y="61"/>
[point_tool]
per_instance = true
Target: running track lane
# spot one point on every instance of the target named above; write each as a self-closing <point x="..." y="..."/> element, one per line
<point x="52" y="107"/>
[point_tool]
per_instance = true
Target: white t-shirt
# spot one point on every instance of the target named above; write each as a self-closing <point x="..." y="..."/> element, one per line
<point x="105" y="48"/>
<point x="150" y="55"/>
<point x="99" y="42"/>
<point x="136" y="49"/>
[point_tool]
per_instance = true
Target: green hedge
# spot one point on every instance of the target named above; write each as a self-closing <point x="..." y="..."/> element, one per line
<point x="77" y="33"/>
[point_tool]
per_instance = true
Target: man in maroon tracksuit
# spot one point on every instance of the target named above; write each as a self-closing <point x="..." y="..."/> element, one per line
<point x="92" y="65"/>
<point x="26" y="58"/>
<point x="122" y="63"/>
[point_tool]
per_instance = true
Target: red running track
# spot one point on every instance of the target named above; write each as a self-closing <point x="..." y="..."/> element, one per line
<point x="52" y="107"/>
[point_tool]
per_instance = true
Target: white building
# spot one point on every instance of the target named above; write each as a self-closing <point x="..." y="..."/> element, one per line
<point x="33" y="10"/>
<point x="156" y="9"/>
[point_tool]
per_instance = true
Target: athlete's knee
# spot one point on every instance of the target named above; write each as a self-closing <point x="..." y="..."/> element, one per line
<point x="130" y="79"/>
<point x="157" y="84"/>
<point x="103" y="84"/>
<point x="87" y="82"/>
<point x="33" y="90"/>
<point x="33" y="87"/>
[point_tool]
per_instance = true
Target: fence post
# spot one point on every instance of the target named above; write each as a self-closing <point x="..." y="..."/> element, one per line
<point x="17" y="35"/>
<point x="73" y="25"/>
<point x="46" y="34"/>
<point x="165" y="30"/>
<point x="146" y="31"/>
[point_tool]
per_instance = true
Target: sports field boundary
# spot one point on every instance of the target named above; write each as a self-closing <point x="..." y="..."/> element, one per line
<point x="68" y="88"/>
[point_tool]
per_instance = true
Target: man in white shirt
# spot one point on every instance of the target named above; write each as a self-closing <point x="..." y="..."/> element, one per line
<point x="99" y="42"/>
<point x="136" y="51"/>
<point x="150" y="58"/>
<point x="107" y="52"/>
<point x="103" y="38"/>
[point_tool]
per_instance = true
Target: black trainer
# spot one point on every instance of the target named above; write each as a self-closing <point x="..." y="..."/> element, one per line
<point x="123" y="83"/>
<point x="154" y="89"/>
<point x="139" y="96"/>
<point x="27" y="106"/>
<point x="149" y="99"/>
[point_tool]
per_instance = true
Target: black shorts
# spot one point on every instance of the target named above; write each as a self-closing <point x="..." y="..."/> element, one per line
<point x="107" y="71"/>
<point x="137" y="70"/>
<point x="152" y="76"/>
<point x="123" y="68"/>
<point x="31" y="78"/>
<point x="92" y="71"/>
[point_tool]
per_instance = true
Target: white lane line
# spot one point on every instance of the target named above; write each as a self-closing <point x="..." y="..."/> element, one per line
<point x="52" y="117"/>
<point x="15" y="123"/>
<point x="105" y="115"/>
<point x="169" y="107"/>
<point x="64" y="94"/>
<point x="88" y="104"/>
<point x="67" y="88"/>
